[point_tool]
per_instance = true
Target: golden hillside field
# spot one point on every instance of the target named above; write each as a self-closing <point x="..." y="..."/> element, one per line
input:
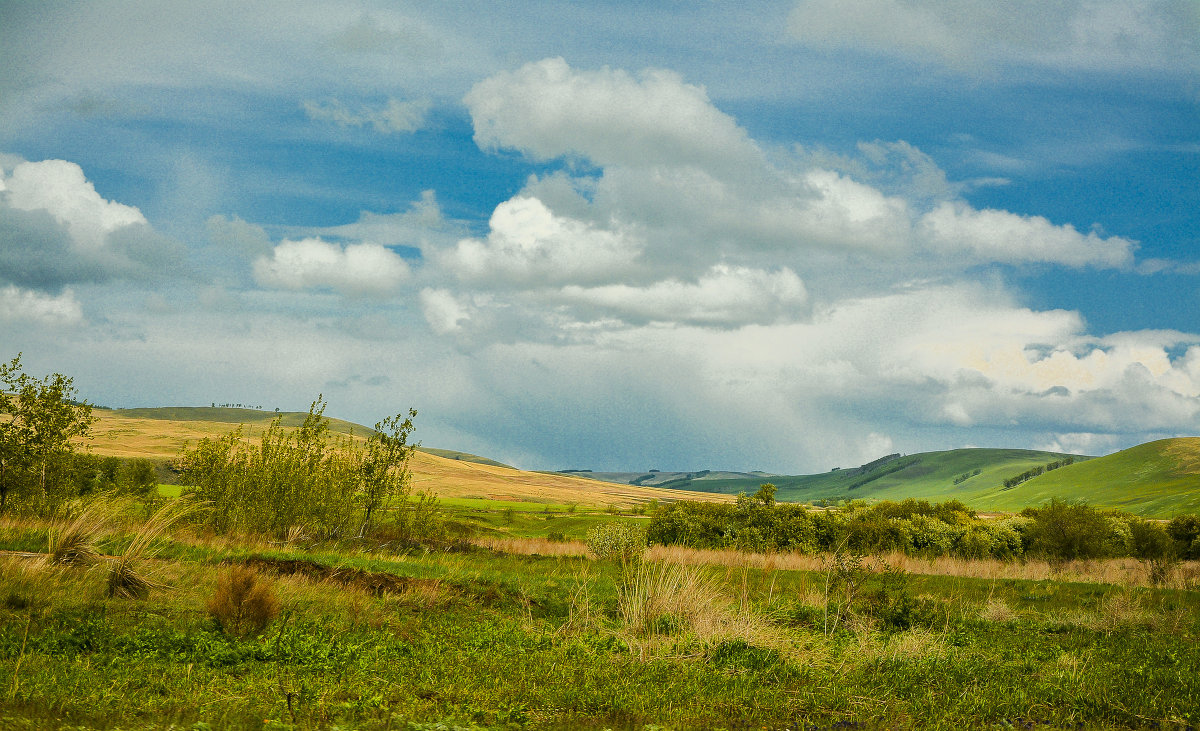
<point x="118" y="435"/>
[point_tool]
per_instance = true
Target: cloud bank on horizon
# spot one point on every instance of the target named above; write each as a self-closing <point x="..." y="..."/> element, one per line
<point x="866" y="228"/>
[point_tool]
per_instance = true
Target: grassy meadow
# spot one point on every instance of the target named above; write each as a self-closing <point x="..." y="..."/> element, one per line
<point x="524" y="638"/>
<point x="115" y="617"/>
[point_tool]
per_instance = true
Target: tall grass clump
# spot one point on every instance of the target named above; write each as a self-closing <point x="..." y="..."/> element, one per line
<point x="670" y="599"/>
<point x="74" y="543"/>
<point x="124" y="578"/>
<point x="243" y="603"/>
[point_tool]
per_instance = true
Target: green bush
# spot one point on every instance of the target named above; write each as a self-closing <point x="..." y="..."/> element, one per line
<point x="624" y="542"/>
<point x="1185" y="531"/>
<point x="308" y="479"/>
<point x="1064" y="531"/>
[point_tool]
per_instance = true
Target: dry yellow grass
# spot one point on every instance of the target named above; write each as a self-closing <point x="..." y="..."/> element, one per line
<point x="123" y="436"/>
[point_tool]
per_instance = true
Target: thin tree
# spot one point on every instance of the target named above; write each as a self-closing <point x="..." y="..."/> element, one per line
<point x="38" y="420"/>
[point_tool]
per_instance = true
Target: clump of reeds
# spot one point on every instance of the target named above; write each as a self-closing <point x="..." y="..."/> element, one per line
<point x="243" y="603"/>
<point x="124" y="579"/>
<point x="74" y="544"/>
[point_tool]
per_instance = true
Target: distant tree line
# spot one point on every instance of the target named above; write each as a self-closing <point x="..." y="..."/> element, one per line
<point x="1039" y="470"/>
<point x="966" y="476"/>
<point x="1059" y="530"/>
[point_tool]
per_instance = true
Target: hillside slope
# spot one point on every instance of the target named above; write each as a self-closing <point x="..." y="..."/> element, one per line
<point x="927" y="475"/>
<point x="193" y="423"/>
<point x="1156" y="479"/>
<point x="155" y="435"/>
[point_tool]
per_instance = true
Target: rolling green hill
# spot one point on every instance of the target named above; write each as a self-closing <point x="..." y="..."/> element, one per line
<point x="1156" y="479"/>
<point x="927" y="475"/>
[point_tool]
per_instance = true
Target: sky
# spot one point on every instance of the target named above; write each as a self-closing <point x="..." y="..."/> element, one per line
<point x="782" y="236"/>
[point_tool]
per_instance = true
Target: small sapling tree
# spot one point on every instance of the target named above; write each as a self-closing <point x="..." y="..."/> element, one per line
<point x="383" y="469"/>
<point x="38" y="420"/>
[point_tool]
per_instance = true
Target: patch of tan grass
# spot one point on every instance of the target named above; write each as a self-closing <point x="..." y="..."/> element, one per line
<point x="1128" y="572"/>
<point x="244" y="602"/>
<point x="996" y="610"/>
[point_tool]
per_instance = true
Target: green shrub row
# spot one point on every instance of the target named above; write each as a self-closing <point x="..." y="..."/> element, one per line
<point x="1059" y="530"/>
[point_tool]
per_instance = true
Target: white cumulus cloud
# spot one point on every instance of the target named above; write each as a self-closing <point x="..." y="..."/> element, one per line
<point x="357" y="269"/>
<point x="1001" y="236"/>
<point x="529" y="245"/>
<point x="549" y="110"/>
<point x="23" y="305"/>
<point x="60" y="188"/>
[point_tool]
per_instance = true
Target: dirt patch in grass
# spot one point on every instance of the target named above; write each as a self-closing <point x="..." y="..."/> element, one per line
<point x="376" y="583"/>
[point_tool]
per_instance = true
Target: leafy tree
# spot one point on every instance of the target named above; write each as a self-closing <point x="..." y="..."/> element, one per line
<point x="38" y="420"/>
<point x="1185" y="531"/>
<point x="383" y="470"/>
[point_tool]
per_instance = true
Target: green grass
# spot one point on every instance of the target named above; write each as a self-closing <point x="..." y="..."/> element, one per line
<point x="504" y="642"/>
<point x="532" y="520"/>
<point x="1146" y="479"/>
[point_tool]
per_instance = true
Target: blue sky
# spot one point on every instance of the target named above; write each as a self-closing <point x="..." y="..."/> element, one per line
<point x="679" y="235"/>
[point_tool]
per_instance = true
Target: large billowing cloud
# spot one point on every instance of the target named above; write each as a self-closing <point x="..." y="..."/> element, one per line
<point x="60" y="188"/>
<point x="55" y="228"/>
<point x="695" y="187"/>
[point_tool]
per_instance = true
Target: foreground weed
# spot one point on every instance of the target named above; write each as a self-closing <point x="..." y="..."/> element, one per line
<point x="244" y="603"/>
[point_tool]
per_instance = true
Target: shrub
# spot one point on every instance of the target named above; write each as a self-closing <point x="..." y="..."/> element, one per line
<point x="1065" y="531"/>
<point x="243" y="604"/>
<point x="622" y="541"/>
<point x="1185" y="531"/>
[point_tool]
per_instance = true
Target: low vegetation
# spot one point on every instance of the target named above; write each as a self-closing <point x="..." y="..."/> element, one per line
<point x="1057" y="531"/>
<point x="238" y="635"/>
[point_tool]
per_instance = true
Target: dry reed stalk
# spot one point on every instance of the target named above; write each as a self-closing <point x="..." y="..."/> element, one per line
<point x="123" y="579"/>
<point x="74" y="544"/>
